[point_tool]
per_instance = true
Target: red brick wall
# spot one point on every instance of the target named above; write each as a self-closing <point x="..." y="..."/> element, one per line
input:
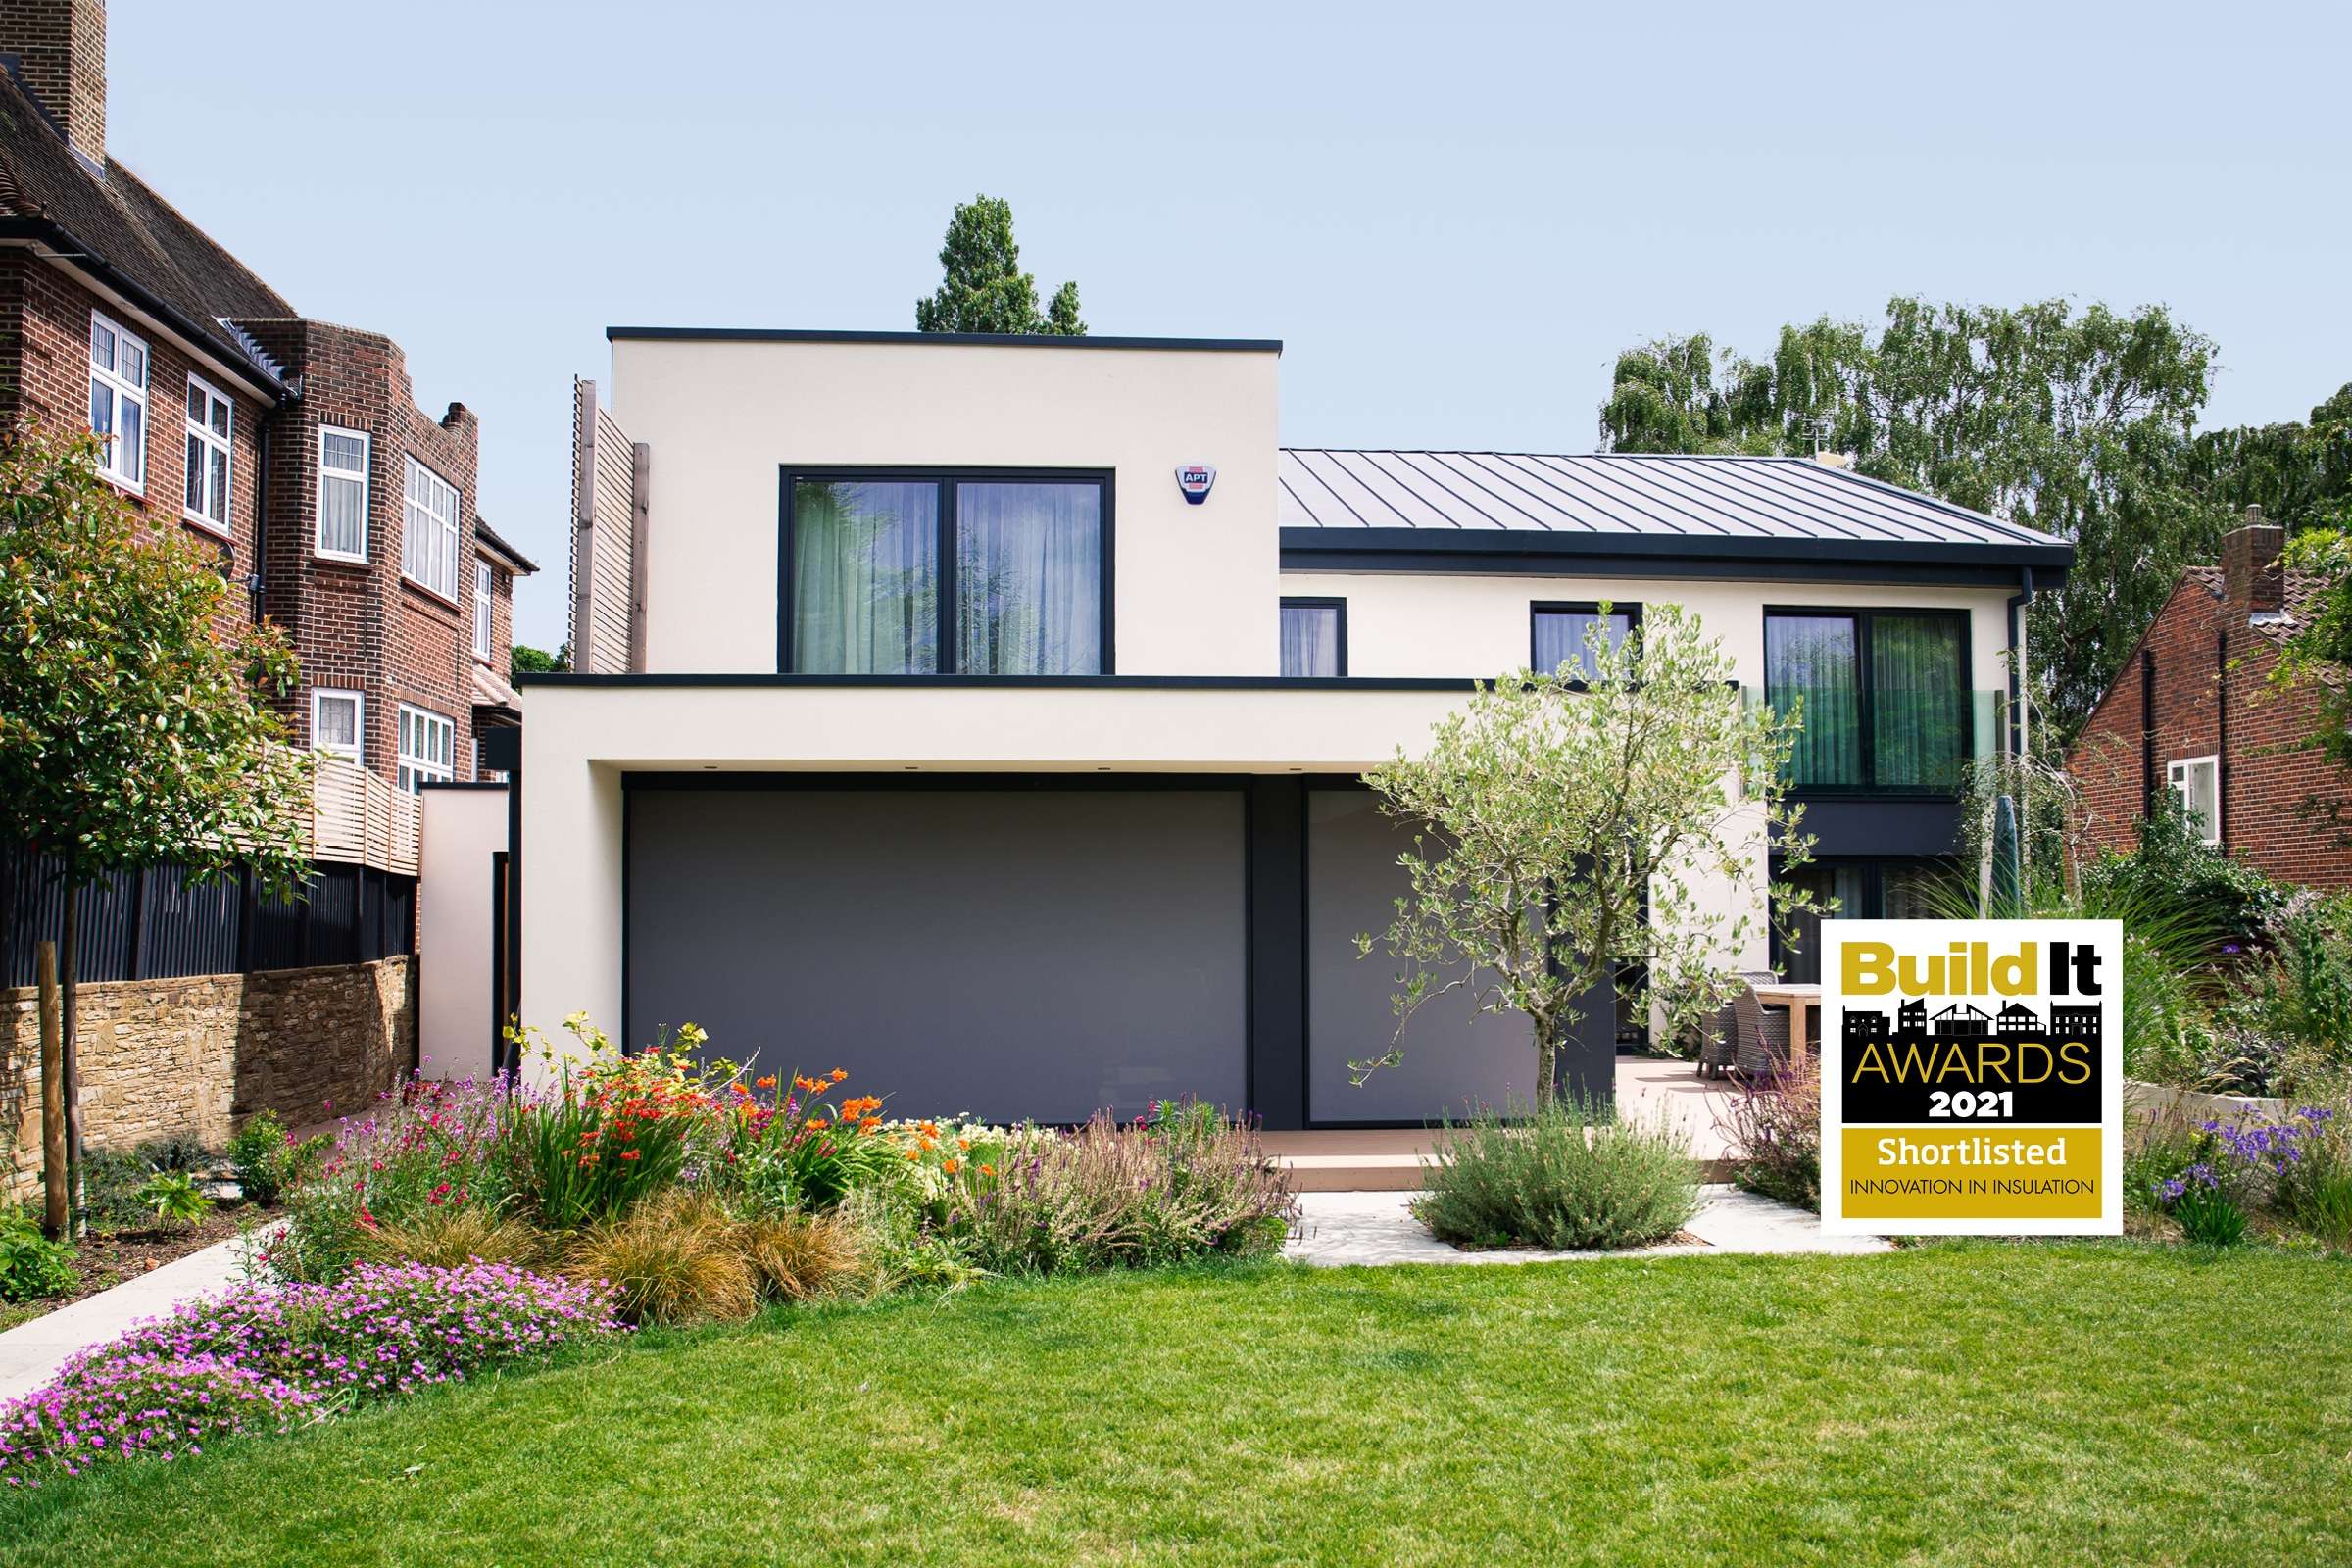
<point x="61" y="45"/>
<point x="2279" y="796"/>
<point x="45" y="376"/>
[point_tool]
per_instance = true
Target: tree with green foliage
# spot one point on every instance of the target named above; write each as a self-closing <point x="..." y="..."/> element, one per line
<point x="2077" y="424"/>
<point x="524" y="660"/>
<point x="2299" y="474"/>
<point x="1567" y="829"/>
<point x="983" y="288"/>
<point x="130" y="734"/>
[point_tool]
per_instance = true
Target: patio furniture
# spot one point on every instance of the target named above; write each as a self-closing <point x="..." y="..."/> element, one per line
<point x="1802" y="999"/>
<point x="1733" y="1036"/>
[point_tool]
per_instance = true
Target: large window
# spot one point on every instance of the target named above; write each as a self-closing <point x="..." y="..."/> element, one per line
<point x="208" y="467"/>
<point x="1314" y="637"/>
<point x="1558" y="635"/>
<point x="483" y="580"/>
<point x="923" y="574"/>
<point x="118" y="401"/>
<point x="429" y="534"/>
<point x="428" y="745"/>
<point x="1889" y="889"/>
<point x="1885" y="695"/>
<point x="342" y="493"/>
<point x="339" y="724"/>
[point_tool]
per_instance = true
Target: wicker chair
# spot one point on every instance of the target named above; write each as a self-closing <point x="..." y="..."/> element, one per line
<point x="1731" y="1038"/>
<point x="1767" y="1052"/>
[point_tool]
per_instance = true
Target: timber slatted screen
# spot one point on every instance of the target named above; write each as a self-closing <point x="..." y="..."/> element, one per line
<point x="603" y="546"/>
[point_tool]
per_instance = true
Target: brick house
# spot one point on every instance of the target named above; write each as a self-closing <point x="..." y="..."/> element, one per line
<point x="2194" y="711"/>
<point x="293" y="446"/>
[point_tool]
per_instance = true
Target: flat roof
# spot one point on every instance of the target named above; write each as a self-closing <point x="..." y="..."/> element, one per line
<point x="998" y="341"/>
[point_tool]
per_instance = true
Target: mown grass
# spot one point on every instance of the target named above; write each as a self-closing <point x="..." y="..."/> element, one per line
<point x="1975" y="1403"/>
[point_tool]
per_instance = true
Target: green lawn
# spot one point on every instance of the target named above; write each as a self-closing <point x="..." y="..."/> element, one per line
<point x="1960" y="1403"/>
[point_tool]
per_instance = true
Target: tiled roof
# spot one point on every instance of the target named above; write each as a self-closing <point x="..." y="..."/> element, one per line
<point x="129" y="230"/>
<point x="513" y="557"/>
<point x="2303" y="594"/>
<point x="1732" y="499"/>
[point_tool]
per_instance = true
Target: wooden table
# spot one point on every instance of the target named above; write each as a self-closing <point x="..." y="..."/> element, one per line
<point x="1802" y="999"/>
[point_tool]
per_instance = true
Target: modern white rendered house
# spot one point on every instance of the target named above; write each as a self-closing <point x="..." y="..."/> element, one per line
<point x="933" y="724"/>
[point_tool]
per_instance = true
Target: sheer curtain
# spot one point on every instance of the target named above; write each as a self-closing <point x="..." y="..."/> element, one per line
<point x="865" y="578"/>
<point x="1917" y="700"/>
<point x="1816" y="658"/>
<point x="1310" y="640"/>
<point x="1560" y="639"/>
<point x="1029" y="579"/>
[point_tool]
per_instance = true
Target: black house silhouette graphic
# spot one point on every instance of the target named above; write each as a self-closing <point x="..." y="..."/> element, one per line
<point x="1961" y="1021"/>
<point x="2017" y="1021"/>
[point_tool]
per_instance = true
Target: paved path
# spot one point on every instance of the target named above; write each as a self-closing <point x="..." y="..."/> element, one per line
<point x="1339" y="1229"/>
<point x="31" y="1352"/>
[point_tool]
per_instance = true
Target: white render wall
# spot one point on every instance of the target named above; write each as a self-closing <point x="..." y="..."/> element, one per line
<point x="454" y="934"/>
<point x="1193" y="585"/>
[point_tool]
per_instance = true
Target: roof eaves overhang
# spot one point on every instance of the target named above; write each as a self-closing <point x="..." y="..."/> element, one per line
<point x="1524" y="552"/>
<point x="188" y="334"/>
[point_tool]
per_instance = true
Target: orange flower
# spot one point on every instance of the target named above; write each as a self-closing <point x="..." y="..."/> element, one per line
<point x="963" y="1143"/>
<point x="948" y="1166"/>
<point x="930" y="1142"/>
<point x="987" y="1169"/>
<point x="628" y="1153"/>
<point x="839" y="1073"/>
<point x="929" y="1129"/>
<point x="768" y="1082"/>
<point x="915" y="1154"/>
<point x="816" y="1124"/>
<point x="871" y="1123"/>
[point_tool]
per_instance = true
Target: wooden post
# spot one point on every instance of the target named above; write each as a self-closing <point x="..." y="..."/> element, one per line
<point x="53" y="1091"/>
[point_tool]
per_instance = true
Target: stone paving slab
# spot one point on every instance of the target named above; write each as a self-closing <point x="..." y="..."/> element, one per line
<point x="1341" y="1229"/>
<point x="31" y="1352"/>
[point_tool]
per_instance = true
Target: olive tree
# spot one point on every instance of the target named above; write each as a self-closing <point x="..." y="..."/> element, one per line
<point x="1573" y="824"/>
<point x="131" y="732"/>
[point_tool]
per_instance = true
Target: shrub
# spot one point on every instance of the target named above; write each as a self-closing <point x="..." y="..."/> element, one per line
<point x="679" y="1259"/>
<point x="1774" y="1132"/>
<point x="2174" y="874"/>
<point x="176" y="1200"/>
<point x="2315" y="1192"/>
<point x="140" y="1404"/>
<point x="110" y="1179"/>
<point x="1567" y="1176"/>
<point x="801" y="1151"/>
<point x="31" y="1265"/>
<point x="386" y="1328"/>
<point x="268" y="1161"/>
<point x="2206" y="1214"/>
<point x="611" y="1129"/>
<point x="798" y="1258"/>
<point x="1108" y="1195"/>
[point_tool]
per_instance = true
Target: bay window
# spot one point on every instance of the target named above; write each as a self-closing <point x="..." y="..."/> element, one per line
<point x="923" y="573"/>
<point x="1884" y="697"/>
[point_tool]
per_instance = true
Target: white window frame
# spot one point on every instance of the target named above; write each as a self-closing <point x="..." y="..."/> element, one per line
<point x="2182" y="775"/>
<point x="357" y="752"/>
<point x="208" y="441"/>
<point x="428" y="532"/>
<point x="420" y="760"/>
<point x="132" y="476"/>
<point x="365" y="478"/>
<point x="485" y="584"/>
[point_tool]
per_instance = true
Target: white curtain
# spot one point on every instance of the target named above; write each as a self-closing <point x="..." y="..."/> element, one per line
<point x="1310" y="640"/>
<point x="865" y="578"/>
<point x="1029" y="579"/>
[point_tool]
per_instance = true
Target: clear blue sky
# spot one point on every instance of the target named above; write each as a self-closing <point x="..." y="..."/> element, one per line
<point x="1454" y="216"/>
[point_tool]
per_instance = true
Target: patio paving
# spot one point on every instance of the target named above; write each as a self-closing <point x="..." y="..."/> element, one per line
<point x="1341" y="1229"/>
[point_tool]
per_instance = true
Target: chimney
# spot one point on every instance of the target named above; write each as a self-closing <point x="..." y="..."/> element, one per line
<point x="60" y="50"/>
<point x="2253" y="582"/>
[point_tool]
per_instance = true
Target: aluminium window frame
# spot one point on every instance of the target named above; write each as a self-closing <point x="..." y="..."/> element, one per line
<point x="367" y="482"/>
<point x="1865" y="694"/>
<point x="211" y="441"/>
<point x="111" y="447"/>
<point x="945" y="477"/>
<point x="2178" y="774"/>
<point x="357" y="754"/>
<point x="1631" y="609"/>
<point x="1317" y="601"/>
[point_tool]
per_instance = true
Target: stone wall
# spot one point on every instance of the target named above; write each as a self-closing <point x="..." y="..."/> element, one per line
<point x="196" y="1057"/>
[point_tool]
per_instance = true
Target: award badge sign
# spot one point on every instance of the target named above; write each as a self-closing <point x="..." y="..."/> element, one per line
<point x="1972" y="1077"/>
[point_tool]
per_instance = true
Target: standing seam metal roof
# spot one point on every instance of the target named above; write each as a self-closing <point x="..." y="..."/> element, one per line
<point x="1656" y="495"/>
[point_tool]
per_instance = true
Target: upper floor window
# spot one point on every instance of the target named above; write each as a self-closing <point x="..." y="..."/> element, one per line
<point x="483" y="578"/>
<point x="1314" y="637"/>
<point x="1558" y="635"/>
<point x="1884" y="693"/>
<point x="429" y="748"/>
<point x="2197" y="782"/>
<point x="342" y="493"/>
<point x="339" y="724"/>
<point x="429" y="533"/>
<point x="118" y="401"/>
<point x="928" y="574"/>
<point x="209" y="415"/>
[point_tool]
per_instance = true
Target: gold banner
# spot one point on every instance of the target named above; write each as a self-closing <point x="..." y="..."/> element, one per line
<point x="1982" y="1172"/>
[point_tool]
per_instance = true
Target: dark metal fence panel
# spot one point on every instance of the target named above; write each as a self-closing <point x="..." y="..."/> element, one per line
<point x="156" y="924"/>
